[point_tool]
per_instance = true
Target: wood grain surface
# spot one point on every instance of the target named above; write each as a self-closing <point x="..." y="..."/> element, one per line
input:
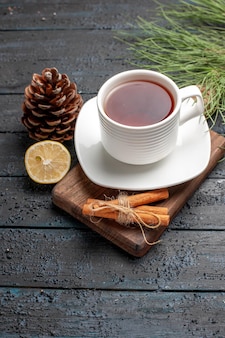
<point x="58" y="277"/>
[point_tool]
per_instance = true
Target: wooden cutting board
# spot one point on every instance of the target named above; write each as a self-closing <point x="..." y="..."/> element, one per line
<point x="75" y="188"/>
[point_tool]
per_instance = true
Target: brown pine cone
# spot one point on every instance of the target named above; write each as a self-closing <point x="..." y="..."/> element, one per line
<point x="51" y="106"/>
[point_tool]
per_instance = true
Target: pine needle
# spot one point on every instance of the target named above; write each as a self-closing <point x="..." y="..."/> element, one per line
<point x="190" y="54"/>
<point x="208" y="13"/>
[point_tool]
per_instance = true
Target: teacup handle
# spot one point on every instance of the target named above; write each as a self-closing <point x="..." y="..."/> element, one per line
<point x="196" y="109"/>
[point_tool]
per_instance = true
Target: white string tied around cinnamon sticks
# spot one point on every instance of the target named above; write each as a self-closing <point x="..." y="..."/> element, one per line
<point x="126" y="215"/>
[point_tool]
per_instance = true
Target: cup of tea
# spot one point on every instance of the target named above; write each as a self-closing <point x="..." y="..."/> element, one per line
<point x="140" y="115"/>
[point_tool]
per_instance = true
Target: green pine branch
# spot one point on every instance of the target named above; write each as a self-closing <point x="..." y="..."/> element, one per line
<point x="189" y="48"/>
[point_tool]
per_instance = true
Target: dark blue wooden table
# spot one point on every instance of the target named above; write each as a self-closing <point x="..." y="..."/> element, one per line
<point x="57" y="277"/>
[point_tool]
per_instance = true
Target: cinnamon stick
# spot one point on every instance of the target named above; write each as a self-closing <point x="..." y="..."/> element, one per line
<point x="154" y="209"/>
<point x="148" y="208"/>
<point x="141" y="199"/>
<point x="108" y="212"/>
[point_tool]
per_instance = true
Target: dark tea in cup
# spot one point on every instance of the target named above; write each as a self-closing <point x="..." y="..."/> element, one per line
<point x="140" y="113"/>
<point x="139" y="103"/>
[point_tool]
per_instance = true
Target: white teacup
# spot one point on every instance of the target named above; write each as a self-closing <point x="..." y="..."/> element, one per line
<point x="152" y="141"/>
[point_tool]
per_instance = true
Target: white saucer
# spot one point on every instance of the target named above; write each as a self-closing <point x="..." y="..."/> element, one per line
<point x="188" y="160"/>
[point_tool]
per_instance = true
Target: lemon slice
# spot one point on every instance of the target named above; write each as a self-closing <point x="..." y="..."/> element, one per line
<point x="47" y="161"/>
